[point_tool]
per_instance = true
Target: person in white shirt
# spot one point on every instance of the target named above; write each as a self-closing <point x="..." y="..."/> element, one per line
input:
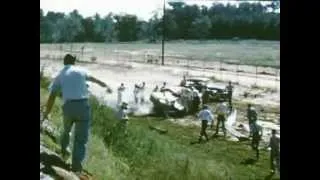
<point x="121" y="90"/>
<point x="142" y="89"/>
<point x="222" y="112"/>
<point x="205" y="116"/>
<point x="135" y="93"/>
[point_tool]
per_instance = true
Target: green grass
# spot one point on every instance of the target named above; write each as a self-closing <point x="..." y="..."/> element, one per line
<point x="146" y="154"/>
<point x="249" y="52"/>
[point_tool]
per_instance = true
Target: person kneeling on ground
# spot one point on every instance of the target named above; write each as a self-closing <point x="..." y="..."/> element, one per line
<point x="256" y="138"/>
<point x="222" y="111"/>
<point x="123" y="117"/>
<point x="275" y="151"/>
<point x="205" y="116"/>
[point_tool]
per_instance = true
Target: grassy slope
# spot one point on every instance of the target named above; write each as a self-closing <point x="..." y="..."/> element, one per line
<point x="146" y="154"/>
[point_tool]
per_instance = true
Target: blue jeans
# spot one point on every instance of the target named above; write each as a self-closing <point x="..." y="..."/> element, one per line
<point x="78" y="113"/>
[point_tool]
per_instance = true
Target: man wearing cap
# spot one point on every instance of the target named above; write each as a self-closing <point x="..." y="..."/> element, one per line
<point x="206" y="117"/>
<point x="275" y="151"/>
<point x="222" y="111"/>
<point x="256" y="138"/>
<point x="71" y="82"/>
<point x="252" y="117"/>
<point x="123" y="117"/>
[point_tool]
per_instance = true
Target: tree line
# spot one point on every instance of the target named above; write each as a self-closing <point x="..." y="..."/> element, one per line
<point x="181" y="21"/>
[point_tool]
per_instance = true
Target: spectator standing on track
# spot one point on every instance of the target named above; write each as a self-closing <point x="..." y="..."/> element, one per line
<point x="135" y="93"/>
<point x="252" y="117"/>
<point x="121" y="90"/>
<point x="205" y="95"/>
<point x="206" y="117"/>
<point x="142" y="90"/>
<point x="195" y="100"/>
<point x="230" y="91"/>
<point x="222" y="112"/>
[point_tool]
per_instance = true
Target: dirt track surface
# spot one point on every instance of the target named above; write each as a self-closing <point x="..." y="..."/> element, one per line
<point x="114" y="74"/>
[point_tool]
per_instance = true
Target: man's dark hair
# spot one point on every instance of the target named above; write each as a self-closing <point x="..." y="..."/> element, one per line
<point x="273" y="131"/>
<point x="69" y="59"/>
<point x="205" y="106"/>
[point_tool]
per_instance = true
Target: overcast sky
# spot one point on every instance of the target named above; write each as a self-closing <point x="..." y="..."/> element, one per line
<point x="142" y="8"/>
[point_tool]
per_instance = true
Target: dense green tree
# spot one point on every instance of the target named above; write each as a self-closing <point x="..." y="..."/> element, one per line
<point x="182" y="21"/>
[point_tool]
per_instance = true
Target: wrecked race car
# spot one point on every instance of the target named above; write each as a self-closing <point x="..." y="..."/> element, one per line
<point x="174" y="102"/>
<point x="196" y="82"/>
<point x="216" y="92"/>
<point x="210" y="90"/>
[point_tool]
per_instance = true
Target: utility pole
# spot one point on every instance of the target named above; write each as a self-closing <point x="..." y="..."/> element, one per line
<point x="163" y="31"/>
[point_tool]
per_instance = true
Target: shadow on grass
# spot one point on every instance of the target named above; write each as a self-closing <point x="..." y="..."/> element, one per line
<point x="270" y="177"/>
<point x="198" y="142"/>
<point x="248" y="161"/>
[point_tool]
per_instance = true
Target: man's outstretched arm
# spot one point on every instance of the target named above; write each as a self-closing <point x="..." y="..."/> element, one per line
<point x="97" y="81"/>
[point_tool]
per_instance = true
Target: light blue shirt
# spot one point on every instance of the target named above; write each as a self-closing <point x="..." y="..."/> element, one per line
<point x="205" y="115"/>
<point x="71" y="81"/>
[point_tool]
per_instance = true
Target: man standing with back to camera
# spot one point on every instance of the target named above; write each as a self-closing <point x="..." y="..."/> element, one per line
<point x="71" y="81"/>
